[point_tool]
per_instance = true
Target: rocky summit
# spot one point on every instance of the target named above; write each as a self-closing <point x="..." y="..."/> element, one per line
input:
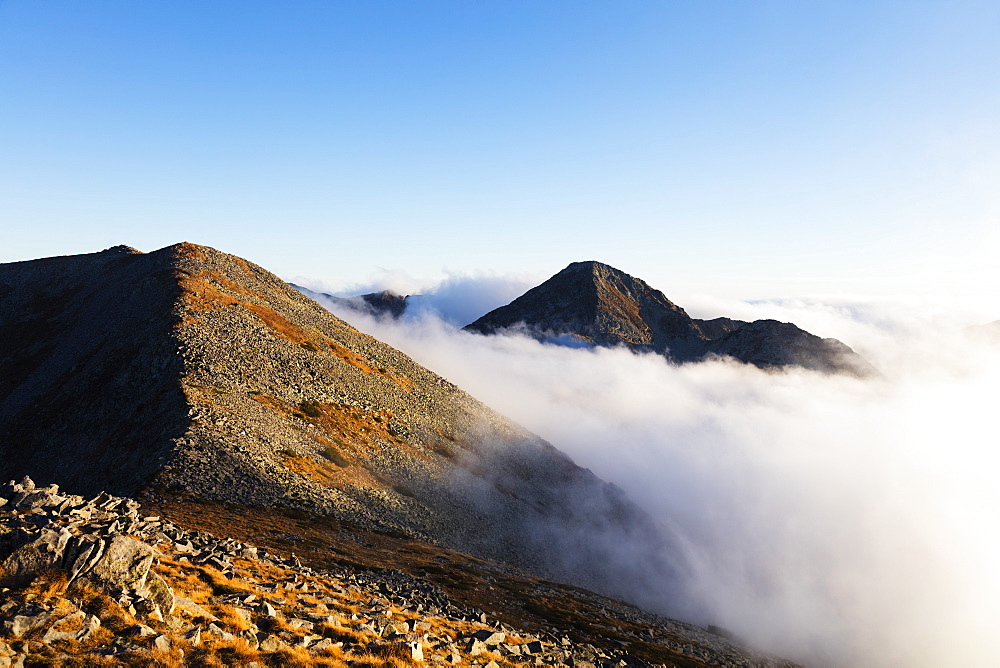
<point x="589" y="303"/>
<point x="193" y="374"/>
<point x="384" y="303"/>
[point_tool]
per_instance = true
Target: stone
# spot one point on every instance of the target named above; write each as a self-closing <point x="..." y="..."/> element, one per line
<point x="296" y="623"/>
<point x="162" y="643"/>
<point x="38" y="499"/>
<point x="189" y="607"/>
<point x="217" y="630"/>
<point x="513" y="650"/>
<point x="475" y="647"/>
<point x="323" y="644"/>
<point x="272" y="644"/>
<point x="113" y="565"/>
<point x="193" y="636"/>
<point x="65" y="628"/>
<point x="489" y="637"/>
<point x="44" y="552"/>
<point x="141" y="630"/>
<point x="415" y="651"/>
<point x="160" y="593"/>
<point x="22" y="624"/>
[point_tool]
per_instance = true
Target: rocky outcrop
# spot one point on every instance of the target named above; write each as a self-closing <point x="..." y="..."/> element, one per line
<point x="599" y="305"/>
<point x="220" y="602"/>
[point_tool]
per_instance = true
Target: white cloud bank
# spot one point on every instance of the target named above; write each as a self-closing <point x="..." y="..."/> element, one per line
<point x="826" y="519"/>
<point x="459" y="299"/>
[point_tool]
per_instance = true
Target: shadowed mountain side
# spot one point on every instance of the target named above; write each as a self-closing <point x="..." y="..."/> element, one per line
<point x="89" y="369"/>
<point x="189" y="371"/>
<point x="769" y="343"/>
<point x="600" y="305"/>
<point x="603" y="306"/>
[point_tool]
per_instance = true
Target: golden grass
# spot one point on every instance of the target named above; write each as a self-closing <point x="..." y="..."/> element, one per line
<point x="242" y="264"/>
<point x="349" y="356"/>
<point x="347" y="429"/>
<point x="312" y="469"/>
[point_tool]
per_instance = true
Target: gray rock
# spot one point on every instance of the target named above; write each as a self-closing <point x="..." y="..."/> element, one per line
<point x="415" y="651"/>
<point x="160" y="593"/>
<point x="38" y="499"/>
<point x="191" y="608"/>
<point x="323" y="644"/>
<point x="489" y="637"/>
<point x="43" y="553"/>
<point x="272" y="644"/>
<point x="22" y="624"/>
<point x="141" y="630"/>
<point x="193" y="636"/>
<point x="217" y="630"/>
<point x="113" y="565"/>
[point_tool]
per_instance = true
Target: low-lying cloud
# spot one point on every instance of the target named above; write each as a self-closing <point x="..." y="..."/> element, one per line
<point x="458" y="299"/>
<point x="827" y="519"/>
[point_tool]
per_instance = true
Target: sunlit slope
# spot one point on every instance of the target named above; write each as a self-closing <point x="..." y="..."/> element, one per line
<point x="194" y="373"/>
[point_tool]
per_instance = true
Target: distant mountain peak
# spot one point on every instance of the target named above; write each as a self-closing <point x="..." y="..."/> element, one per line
<point x="596" y="303"/>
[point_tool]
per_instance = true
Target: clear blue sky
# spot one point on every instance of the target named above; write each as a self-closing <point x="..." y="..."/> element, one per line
<point x="759" y="148"/>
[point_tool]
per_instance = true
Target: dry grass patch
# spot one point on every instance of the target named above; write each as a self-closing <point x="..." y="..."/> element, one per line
<point x="279" y="325"/>
<point x="222" y="653"/>
<point x="349" y="356"/>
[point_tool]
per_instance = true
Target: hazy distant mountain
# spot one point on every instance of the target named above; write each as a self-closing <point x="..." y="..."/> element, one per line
<point x="187" y="371"/>
<point x="600" y="305"/>
<point x="382" y="303"/>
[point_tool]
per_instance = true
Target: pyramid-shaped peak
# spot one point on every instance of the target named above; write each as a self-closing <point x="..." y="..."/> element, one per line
<point x="592" y="267"/>
<point x="600" y="273"/>
<point x="598" y="304"/>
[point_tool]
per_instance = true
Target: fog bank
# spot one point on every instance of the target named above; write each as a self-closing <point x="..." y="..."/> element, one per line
<point x="827" y="519"/>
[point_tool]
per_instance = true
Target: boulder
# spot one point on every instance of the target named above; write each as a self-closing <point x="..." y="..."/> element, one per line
<point x="113" y="565"/>
<point x="75" y="626"/>
<point x="160" y="593"/>
<point x="489" y="637"/>
<point x="44" y="552"/>
<point x="22" y="624"/>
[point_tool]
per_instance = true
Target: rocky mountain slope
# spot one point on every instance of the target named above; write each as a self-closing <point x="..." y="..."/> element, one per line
<point x="100" y="582"/>
<point x="595" y="304"/>
<point x="191" y="373"/>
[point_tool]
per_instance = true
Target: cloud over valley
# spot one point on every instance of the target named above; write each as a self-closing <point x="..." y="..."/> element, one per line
<point x="828" y="519"/>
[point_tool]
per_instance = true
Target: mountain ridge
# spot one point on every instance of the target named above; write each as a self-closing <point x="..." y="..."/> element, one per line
<point x="193" y="373"/>
<point x="600" y="305"/>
